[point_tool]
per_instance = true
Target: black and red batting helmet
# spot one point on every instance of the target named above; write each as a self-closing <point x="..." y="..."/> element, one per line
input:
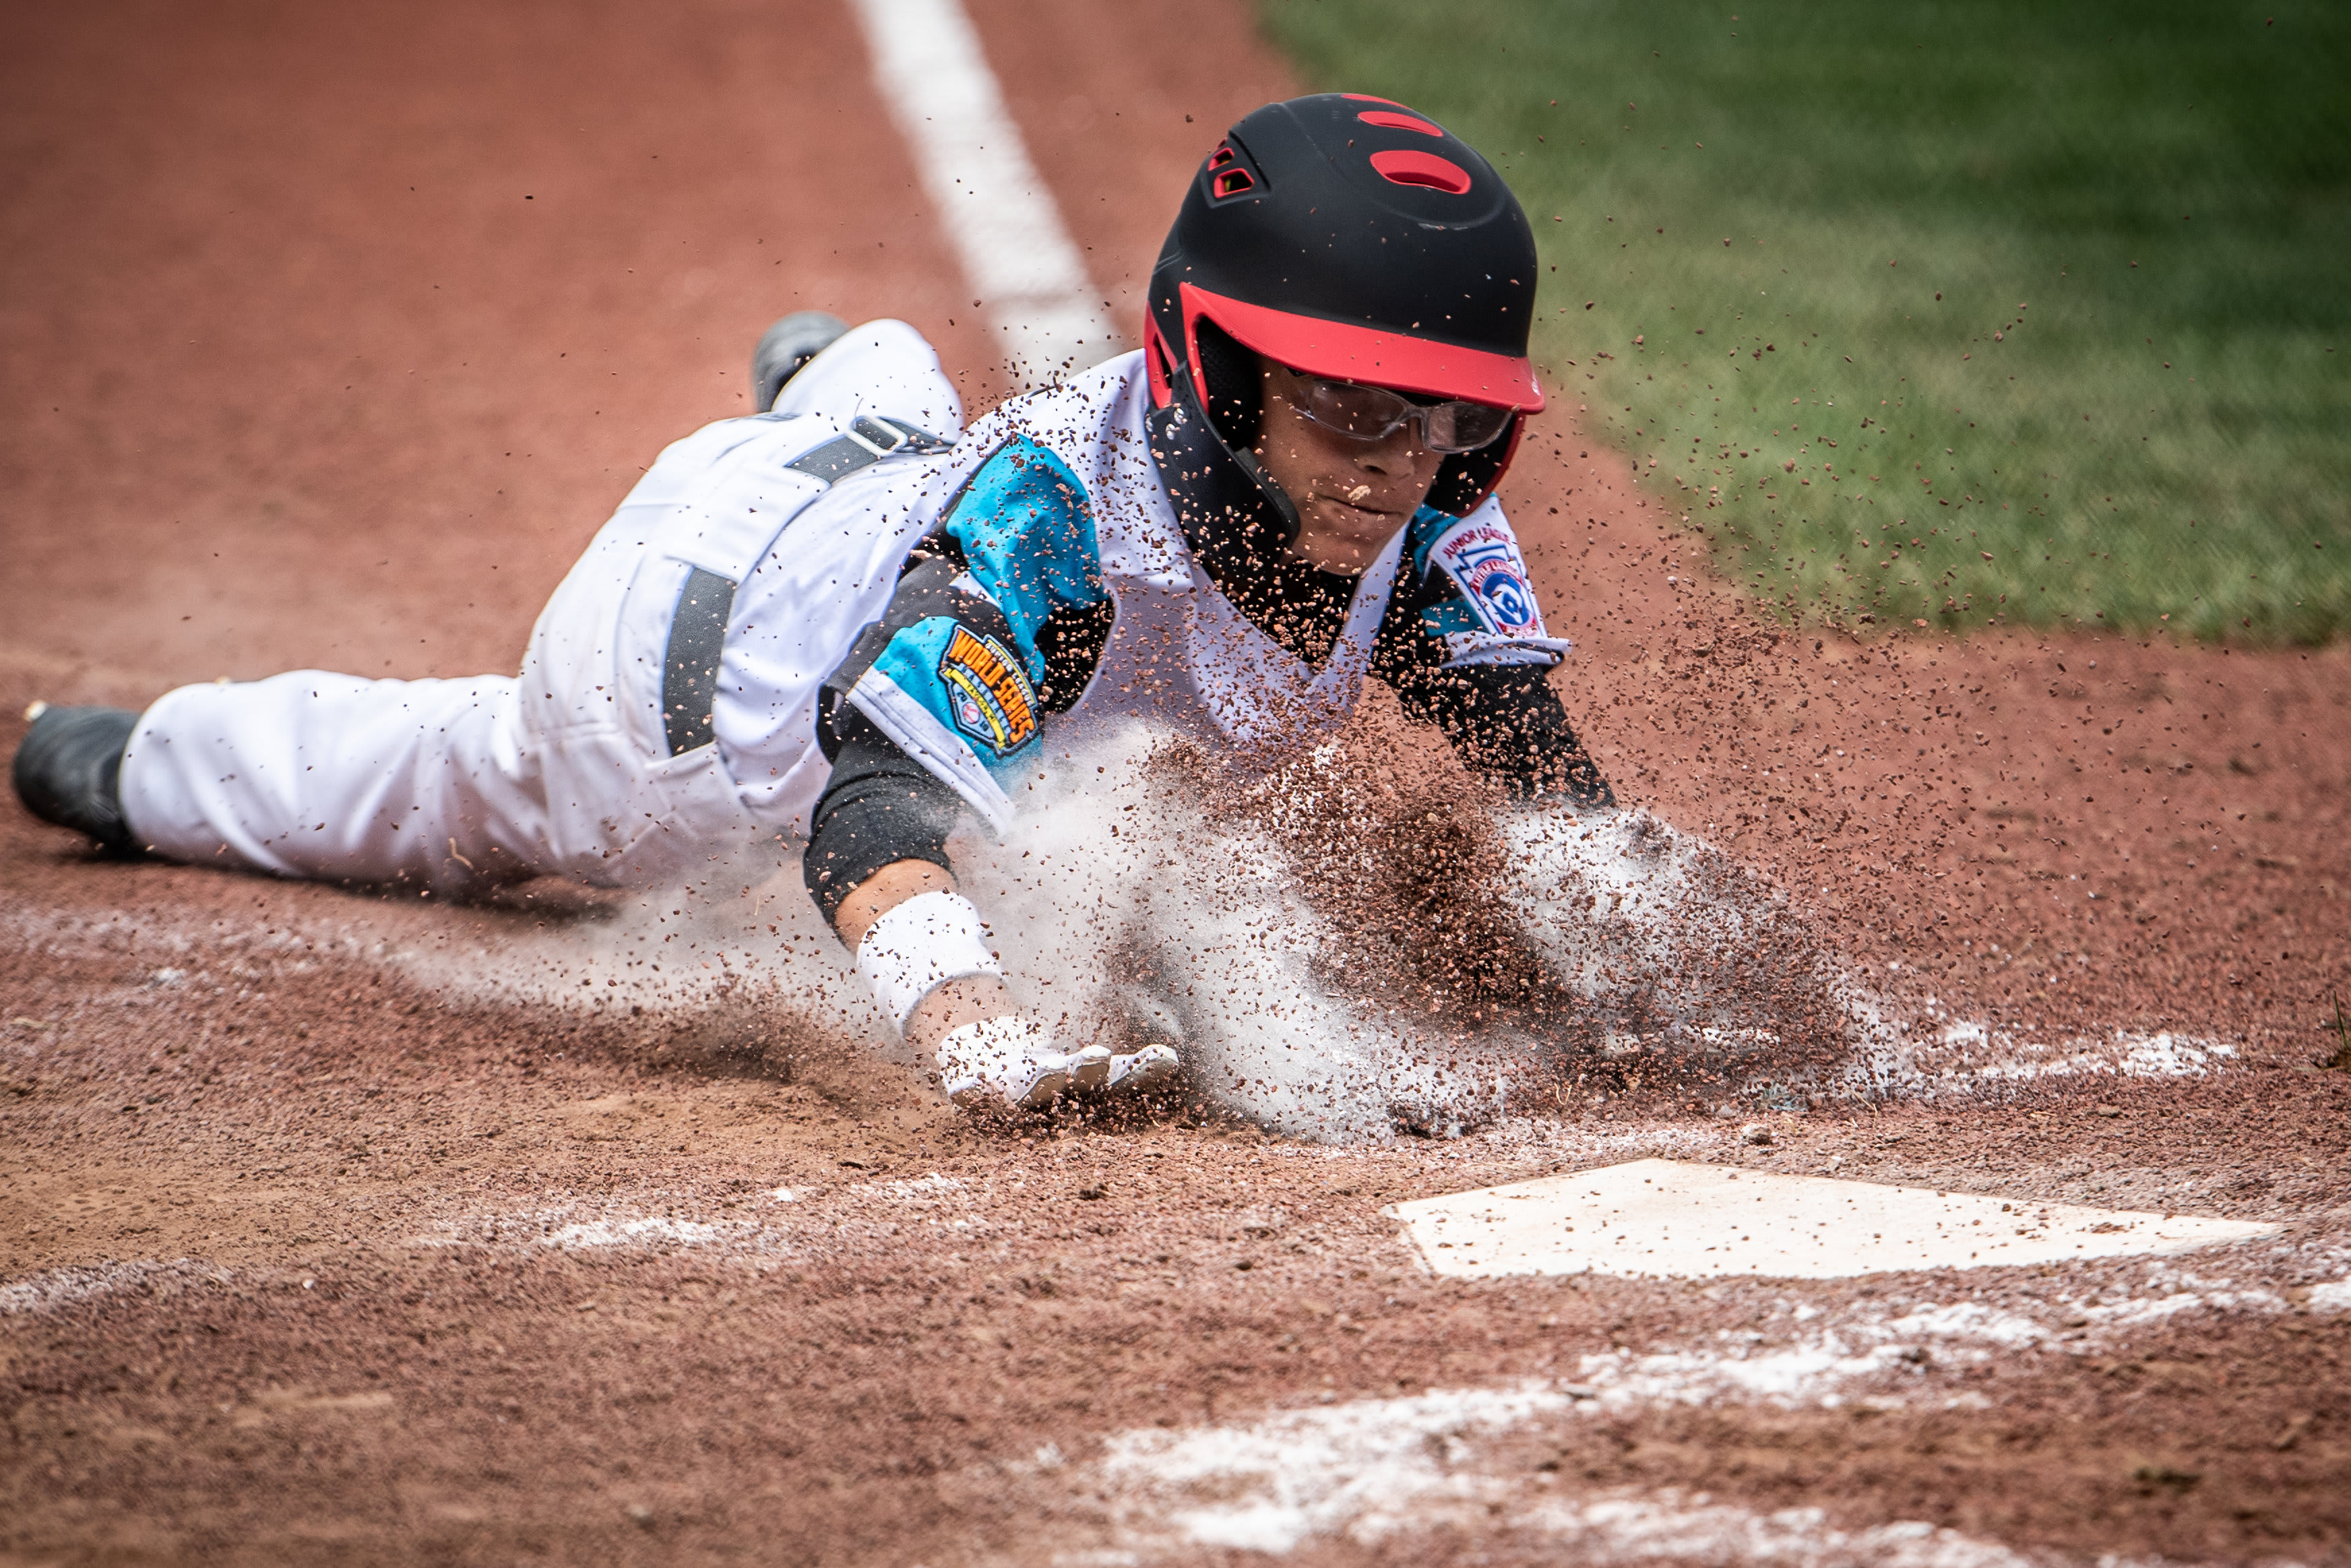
<point x="1348" y="236"/>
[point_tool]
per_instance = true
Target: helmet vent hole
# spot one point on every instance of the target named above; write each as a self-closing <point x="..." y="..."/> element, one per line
<point x="1386" y="121"/>
<point x="1422" y="169"/>
<point x="1229" y="176"/>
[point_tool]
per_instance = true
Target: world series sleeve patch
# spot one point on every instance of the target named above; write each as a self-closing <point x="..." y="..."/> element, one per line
<point x="939" y="676"/>
<point x="955" y="698"/>
<point x="986" y="692"/>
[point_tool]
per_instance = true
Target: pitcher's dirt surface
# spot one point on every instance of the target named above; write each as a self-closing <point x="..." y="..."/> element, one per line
<point x="332" y="335"/>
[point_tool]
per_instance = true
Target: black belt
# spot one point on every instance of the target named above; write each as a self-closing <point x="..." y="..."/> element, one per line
<point x="697" y="627"/>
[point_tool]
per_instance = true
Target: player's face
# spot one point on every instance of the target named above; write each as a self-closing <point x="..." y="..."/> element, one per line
<point x="1352" y="495"/>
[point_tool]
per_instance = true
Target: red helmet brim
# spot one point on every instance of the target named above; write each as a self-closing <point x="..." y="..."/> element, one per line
<point x="1348" y="352"/>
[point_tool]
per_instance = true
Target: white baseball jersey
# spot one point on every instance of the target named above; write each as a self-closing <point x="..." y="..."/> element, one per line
<point x="668" y="706"/>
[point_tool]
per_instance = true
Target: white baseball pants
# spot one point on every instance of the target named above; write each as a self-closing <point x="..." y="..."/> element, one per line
<point x="566" y="768"/>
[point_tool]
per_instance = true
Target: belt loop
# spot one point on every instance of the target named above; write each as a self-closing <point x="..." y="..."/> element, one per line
<point x="863" y="431"/>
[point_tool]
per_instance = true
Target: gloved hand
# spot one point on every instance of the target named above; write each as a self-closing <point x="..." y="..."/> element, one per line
<point x="1012" y="1061"/>
<point x="1657" y="928"/>
<point x="1002" y="1063"/>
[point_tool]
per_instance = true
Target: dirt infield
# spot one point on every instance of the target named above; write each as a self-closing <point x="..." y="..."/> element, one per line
<point x="331" y="336"/>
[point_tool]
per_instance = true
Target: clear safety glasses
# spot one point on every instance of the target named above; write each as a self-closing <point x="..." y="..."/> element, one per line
<point x="1373" y="414"/>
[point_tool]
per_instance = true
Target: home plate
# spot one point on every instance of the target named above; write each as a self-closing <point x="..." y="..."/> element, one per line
<point x="1682" y="1220"/>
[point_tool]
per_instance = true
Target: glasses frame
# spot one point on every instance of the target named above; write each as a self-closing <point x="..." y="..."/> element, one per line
<point x="1408" y="411"/>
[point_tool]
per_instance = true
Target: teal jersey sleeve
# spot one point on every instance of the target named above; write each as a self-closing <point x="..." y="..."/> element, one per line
<point x="1024" y="526"/>
<point x="998" y="620"/>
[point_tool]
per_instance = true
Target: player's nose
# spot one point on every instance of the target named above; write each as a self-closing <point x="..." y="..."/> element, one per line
<point x="1399" y="455"/>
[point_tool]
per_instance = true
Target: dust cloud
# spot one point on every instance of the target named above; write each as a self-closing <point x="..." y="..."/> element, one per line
<point x="1352" y="945"/>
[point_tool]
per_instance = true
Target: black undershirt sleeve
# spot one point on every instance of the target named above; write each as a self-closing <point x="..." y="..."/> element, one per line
<point x="1507" y="723"/>
<point x="879" y="807"/>
<point x="1504" y="720"/>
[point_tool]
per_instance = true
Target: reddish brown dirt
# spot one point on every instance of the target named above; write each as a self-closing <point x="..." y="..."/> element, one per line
<point x="2153" y="834"/>
<point x="332" y="335"/>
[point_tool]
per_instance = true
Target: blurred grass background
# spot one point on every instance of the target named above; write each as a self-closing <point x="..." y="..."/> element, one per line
<point x="2044" y="304"/>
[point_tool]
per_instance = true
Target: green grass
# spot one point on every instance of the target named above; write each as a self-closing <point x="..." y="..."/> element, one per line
<point x="2062" y="286"/>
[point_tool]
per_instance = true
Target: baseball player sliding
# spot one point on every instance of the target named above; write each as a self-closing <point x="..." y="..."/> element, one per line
<point x="847" y="621"/>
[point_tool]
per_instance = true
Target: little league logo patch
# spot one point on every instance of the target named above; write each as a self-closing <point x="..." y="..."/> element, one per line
<point x="1484" y="561"/>
<point x="988" y="691"/>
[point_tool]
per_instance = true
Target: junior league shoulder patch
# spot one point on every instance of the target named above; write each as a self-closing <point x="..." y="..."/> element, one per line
<point x="1482" y="558"/>
<point x="988" y="691"/>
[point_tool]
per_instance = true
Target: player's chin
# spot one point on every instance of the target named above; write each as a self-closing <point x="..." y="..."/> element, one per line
<point x="1361" y="529"/>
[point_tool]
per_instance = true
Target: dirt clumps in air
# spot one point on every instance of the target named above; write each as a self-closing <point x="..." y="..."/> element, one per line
<point x="1694" y="983"/>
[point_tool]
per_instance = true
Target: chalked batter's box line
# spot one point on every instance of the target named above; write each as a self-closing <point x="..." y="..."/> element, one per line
<point x="1670" y="1219"/>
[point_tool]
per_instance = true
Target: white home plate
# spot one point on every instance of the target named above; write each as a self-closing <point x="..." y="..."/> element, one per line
<point x="1692" y="1221"/>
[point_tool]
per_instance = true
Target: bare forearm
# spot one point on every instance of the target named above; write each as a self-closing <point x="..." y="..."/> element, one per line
<point x="884" y="891"/>
<point x="953" y="1003"/>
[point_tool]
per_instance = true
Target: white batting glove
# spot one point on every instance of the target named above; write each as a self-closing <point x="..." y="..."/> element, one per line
<point x="1096" y="1068"/>
<point x="1632" y="914"/>
<point x="1010" y="1062"/>
<point x="1005" y="1063"/>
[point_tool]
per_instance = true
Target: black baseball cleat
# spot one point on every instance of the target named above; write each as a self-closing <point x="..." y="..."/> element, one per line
<point x="784" y="348"/>
<point x="68" y="768"/>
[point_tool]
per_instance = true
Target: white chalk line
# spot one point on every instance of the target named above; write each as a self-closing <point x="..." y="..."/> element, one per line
<point x="998" y="213"/>
<point x="1959" y="1057"/>
<point x="1367" y="1470"/>
<point x="868" y="1217"/>
<point x="779" y="1221"/>
<point x="55" y="1289"/>
<point x="1376" y="1468"/>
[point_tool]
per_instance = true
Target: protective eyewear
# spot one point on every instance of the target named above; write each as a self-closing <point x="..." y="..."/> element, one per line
<point x="1369" y="414"/>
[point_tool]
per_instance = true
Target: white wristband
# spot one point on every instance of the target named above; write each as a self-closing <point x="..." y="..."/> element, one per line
<point x="916" y="945"/>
